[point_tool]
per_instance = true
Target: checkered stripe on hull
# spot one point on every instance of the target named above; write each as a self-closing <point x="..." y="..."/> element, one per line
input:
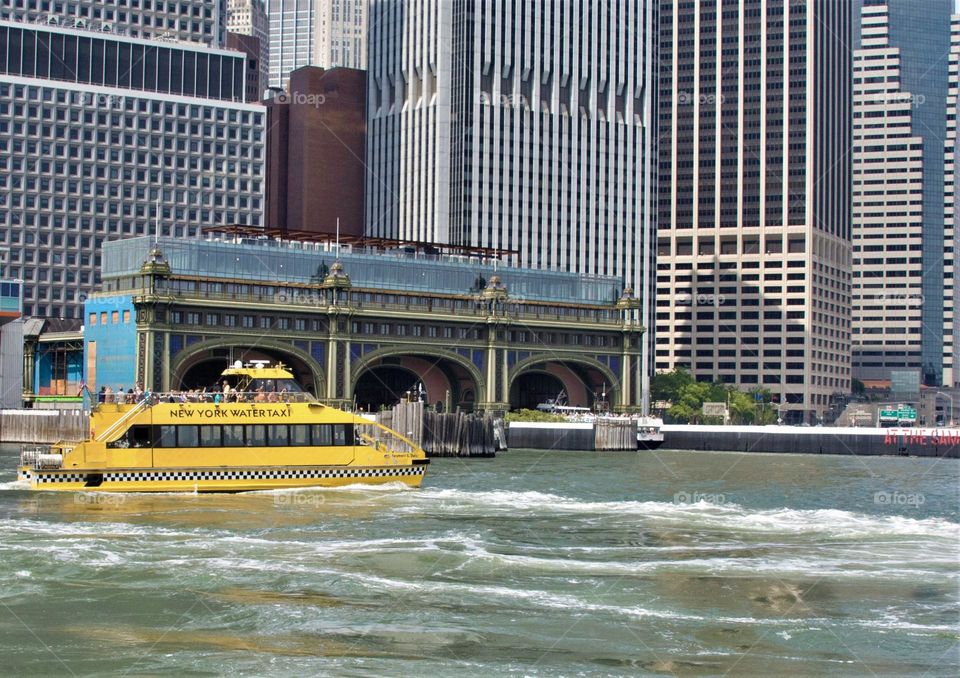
<point x="181" y="475"/>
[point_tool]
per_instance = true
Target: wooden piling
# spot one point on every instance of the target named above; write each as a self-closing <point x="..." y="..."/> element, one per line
<point x="611" y="433"/>
<point x="43" y="426"/>
<point x="453" y="434"/>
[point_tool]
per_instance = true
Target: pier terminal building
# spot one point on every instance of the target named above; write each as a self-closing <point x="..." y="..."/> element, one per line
<point x="361" y="323"/>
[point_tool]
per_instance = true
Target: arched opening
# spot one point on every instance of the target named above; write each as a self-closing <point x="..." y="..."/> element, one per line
<point x="447" y="384"/>
<point x="384" y="385"/>
<point x="532" y="388"/>
<point x="203" y="369"/>
<point x="582" y="383"/>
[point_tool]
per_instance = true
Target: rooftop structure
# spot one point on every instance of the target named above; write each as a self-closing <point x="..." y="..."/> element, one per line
<point x="237" y="258"/>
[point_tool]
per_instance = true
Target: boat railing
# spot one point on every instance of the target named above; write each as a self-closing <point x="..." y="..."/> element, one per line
<point x="121" y="422"/>
<point x="380" y="437"/>
<point x="40" y="457"/>
<point x="215" y="397"/>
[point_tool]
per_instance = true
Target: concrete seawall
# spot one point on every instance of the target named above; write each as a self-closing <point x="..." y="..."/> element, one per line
<point x="914" y="442"/>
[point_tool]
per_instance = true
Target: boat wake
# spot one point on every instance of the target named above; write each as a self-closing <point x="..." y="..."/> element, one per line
<point x="832" y="523"/>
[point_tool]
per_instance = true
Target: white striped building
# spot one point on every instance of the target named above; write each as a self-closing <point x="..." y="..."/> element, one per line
<point x="525" y="126"/>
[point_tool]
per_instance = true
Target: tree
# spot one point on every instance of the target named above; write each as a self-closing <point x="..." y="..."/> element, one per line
<point x="666" y="385"/>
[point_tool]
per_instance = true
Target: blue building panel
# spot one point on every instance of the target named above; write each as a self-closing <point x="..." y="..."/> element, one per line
<point x="176" y="344"/>
<point x="110" y="342"/>
<point x="318" y="350"/>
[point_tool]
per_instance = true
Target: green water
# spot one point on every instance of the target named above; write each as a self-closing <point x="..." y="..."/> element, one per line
<point x="535" y="563"/>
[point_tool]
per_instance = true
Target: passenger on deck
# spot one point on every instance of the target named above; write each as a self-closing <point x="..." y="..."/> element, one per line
<point x="226" y="392"/>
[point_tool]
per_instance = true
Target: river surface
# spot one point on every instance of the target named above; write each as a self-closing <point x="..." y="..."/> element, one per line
<point x="534" y="563"/>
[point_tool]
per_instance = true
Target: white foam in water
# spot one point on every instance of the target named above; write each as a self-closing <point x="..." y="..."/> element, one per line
<point x="832" y="522"/>
<point x="15" y="485"/>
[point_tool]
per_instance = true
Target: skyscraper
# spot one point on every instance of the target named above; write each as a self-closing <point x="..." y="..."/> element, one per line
<point x="292" y="37"/>
<point x="951" y="189"/>
<point x="104" y="136"/>
<point x="753" y="241"/>
<point x="900" y="321"/>
<point x="341" y="34"/>
<point x="903" y="286"/>
<point x="249" y="17"/>
<point x="521" y="127"/>
<point x="325" y="33"/>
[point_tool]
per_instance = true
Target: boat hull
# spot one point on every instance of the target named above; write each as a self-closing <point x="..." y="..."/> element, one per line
<point x="219" y="479"/>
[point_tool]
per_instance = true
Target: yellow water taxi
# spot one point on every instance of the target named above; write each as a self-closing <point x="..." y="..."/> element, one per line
<point x="260" y="432"/>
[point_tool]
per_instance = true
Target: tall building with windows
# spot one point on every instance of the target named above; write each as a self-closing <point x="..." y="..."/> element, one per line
<point x="203" y="21"/>
<point x="951" y="189"/>
<point x="526" y="127"/>
<point x="341" y="34"/>
<point x="521" y="128"/>
<point x="103" y="136"/>
<point x="249" y="17"/>
<point x="753" y="240"/>
<point x="292" y="38"/>
<point x="902" y="239"/>
<point x="325" y="33"/>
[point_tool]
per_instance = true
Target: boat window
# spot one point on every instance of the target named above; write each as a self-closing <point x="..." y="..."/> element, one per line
<point x="166" y="436"/>
<point x="256" y="435"/>
<point x="140" y="436"/>
<point x="277" y="436"/>
<point x="232" y="435"/>
<point x="210" y="436"/>
<point x="299" y="434"/>
<point x="187" y="436"/>
<point x="341" y="435"/>
<point x="321" y="434"/>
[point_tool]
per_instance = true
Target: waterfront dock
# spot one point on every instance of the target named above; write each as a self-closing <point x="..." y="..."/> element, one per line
<point x="913" y="442"/>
